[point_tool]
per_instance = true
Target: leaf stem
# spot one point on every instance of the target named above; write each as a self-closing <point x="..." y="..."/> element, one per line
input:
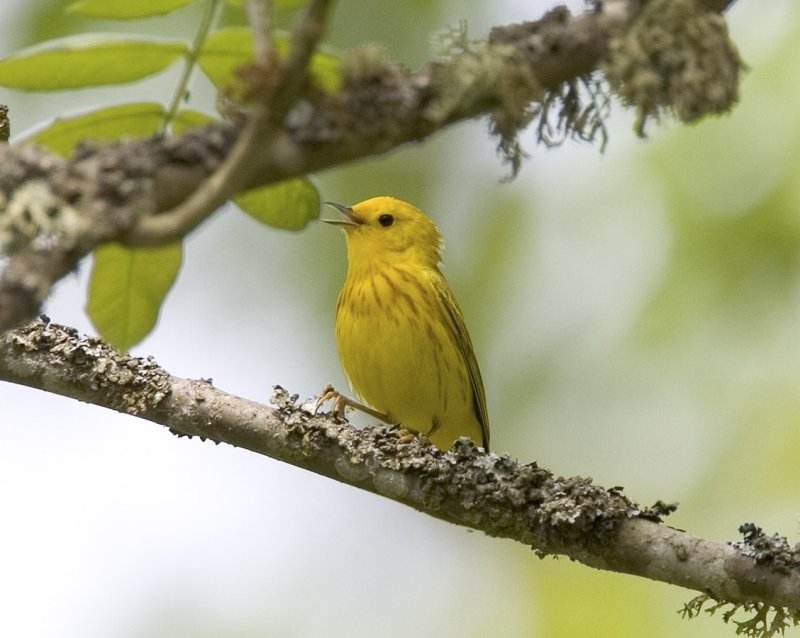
<point x="209" y="19"/>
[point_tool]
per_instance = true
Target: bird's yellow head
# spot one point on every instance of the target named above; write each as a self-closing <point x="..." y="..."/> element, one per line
<point x="388" y="229"/>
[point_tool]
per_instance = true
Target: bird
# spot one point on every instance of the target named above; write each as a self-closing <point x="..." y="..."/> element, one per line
<point x="400" y="334"/>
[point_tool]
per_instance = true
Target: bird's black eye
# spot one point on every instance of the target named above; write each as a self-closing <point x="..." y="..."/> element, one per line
<point x="386" y="220"/>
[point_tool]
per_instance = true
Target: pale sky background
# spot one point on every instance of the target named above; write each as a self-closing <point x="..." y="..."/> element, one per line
<point x="113" y="527"/>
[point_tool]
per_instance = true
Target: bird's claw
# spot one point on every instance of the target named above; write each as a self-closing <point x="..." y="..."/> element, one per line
<point x="342" y="402"/>
<point x="339" y="401"/>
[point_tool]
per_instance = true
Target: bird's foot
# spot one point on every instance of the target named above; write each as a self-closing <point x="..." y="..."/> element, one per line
<point x="341" y="402"/>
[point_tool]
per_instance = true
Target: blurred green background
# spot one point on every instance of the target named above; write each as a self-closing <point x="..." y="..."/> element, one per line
<point x="635" y="314"/>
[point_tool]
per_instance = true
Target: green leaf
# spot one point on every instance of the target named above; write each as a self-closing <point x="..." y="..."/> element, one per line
<point x="227" y="49"/>
<point x="127" y="289"/>
<point x="224" y="51"/>
<point x="88" y="60"/>
<point x="126" y="9"/>
<point x="289" y="204"/>
<point x="188" y="119"/>
<point x="110" y="123"/>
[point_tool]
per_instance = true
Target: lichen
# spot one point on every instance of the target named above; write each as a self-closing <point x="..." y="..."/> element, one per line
<point x="760" y="619"/>
<point x="773" y="551"/>
<point x="465" y="485"/>
<point x="674" y="57"/>
<point x="33" y="217"/>
<point x="133" y="385"/>
<point x="470" y="73"/>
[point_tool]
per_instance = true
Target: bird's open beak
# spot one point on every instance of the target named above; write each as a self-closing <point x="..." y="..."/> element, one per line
<point x="351" y="218"/>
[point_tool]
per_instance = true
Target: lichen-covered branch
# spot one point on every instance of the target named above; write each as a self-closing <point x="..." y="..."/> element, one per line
<point x="489" y="492"/>
<point x="521" y="73"/>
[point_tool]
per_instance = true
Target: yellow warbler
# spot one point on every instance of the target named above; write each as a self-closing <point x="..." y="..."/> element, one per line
<point x="401" y="337"/>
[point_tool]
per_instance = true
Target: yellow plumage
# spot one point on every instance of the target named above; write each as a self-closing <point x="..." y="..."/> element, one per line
<point x="400" y="333"/>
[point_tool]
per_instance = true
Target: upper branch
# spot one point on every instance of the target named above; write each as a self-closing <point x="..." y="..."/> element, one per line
<point x="488" y="492"/>
<point x="119" y="192"/>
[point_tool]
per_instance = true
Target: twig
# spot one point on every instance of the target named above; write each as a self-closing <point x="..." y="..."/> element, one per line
<point x="307" y="33"/>
<point x="259" y="16"/>
<point x="231" y="177"/>
<point x="241" y="165"/>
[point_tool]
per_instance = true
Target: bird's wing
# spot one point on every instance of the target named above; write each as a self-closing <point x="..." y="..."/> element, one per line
<point x="460" y="335"/>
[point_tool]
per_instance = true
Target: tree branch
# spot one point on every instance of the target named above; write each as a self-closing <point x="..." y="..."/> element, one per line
<point x="120" y="191"/>
<point x="493" y="493"/>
